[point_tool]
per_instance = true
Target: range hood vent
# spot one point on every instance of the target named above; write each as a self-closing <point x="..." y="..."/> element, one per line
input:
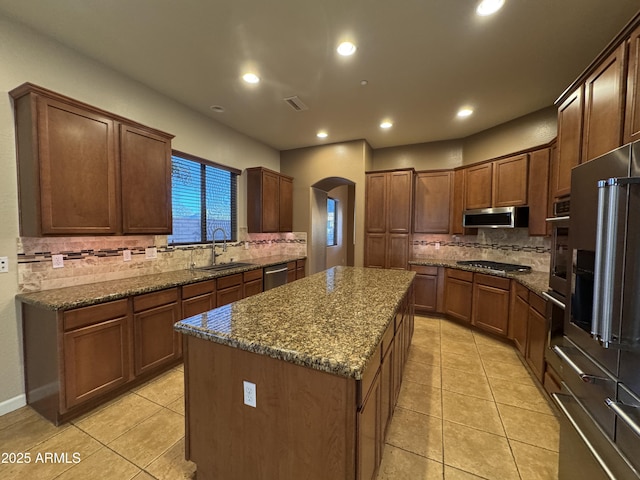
<point x="503" y="217"/>
<point x="295" y="103"/>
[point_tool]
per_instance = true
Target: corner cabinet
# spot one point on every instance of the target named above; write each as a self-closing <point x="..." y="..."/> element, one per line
<point x="269" y="201"/>
<point x="76" y="164"/>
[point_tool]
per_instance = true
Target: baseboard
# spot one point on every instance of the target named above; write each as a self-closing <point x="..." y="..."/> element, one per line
<point x="13" y="404"/>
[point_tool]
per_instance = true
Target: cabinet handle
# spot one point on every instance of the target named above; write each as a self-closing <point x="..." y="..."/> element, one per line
<point x="619" y="409"/>
<point x="553" y="300"/>
<point x="275" y="271"/>
<point x="585" y="377"/>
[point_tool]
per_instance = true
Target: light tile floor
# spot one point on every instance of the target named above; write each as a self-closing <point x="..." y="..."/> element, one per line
<point x="468" y="409"/>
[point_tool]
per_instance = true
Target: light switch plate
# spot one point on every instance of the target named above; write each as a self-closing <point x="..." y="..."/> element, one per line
<point x="4" y="264"/>
<point x="151" y="252"/>
<point x="58" y="261"/>
<point x="126" y="255"/>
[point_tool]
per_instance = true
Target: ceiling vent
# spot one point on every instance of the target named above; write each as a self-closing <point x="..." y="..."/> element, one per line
<point x="295" y="103"/>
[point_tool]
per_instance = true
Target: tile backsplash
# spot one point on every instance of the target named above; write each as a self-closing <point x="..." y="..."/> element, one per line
<point x="500" y="245"/>
<point x="97" y="259"/>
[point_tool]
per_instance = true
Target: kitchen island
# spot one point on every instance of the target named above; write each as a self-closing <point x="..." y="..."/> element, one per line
<point x="325" y="355"/>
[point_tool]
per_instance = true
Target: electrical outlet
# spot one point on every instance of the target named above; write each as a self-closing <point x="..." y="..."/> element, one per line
<point x="249" y="393"/>
<point x="58" y="261"/>
<point x="246" y="245"/>
<point x="437" y="245"/>
<point x="126" y="255"/>
<point x="4" y="264"/>
<point x="151" y="252"/>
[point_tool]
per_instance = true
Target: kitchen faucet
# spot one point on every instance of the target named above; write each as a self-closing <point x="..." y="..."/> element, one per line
<point x="213" y="244"/>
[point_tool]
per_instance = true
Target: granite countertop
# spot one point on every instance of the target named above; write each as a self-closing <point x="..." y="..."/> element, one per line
<point x="534" y="280"/>
<point x="94" y="293"/>
<point x="331" y="321"/>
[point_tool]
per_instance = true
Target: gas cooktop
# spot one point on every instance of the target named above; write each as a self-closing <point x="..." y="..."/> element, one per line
<point x="497" y="266"/>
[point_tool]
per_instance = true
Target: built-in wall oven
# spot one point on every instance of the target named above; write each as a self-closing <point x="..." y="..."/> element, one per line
<point x="600" y="350"/>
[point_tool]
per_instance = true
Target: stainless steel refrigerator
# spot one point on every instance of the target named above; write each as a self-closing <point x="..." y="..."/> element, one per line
<point x="600" y="351"/>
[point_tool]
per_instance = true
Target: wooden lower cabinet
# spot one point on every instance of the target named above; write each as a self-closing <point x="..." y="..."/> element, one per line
<point x="155" y="341"/>
<point x="198" y="298"/>
<point x="369" y="433"/>
<point x="458" y="294"/>
<point x="519" y="316"/>
<point x="252" y="282"/>
<point x="300" y="268"/>
<point x="537" y="331"/>
<point x="429" y="289"/>
<point x="229" y="289"/>
<point x="491" y="303"/>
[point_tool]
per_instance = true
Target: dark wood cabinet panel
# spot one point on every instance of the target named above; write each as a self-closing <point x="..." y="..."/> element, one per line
<point x="458" y="295"/>
<point x="369" y="435"/>
<point x="398" y="251"/>
<point x="252" y="287"/>
<point x="632" y="109"/>
<point x="538" y="195"/>
<point x="376" y="203"/>
<point x="426" y="291"/>
<point x="155" y="341"/>
<point x="200" y="304"/>
<point x="519" y="316"/>
<point x="375" y="250"/>
<point x="491" y="304"/>
<point x="569" y="142"/>
<point x="457" y="203"/>
<point x="478" y="185"/>
<point x="229" y="295"/>
<point x="400" y="200"/>
<point x="291" y="272"/>
<point x="96" y="360"/>
<point x="432" y="206"/>
<point x="269" y="201"/>
<point x="145" y="163"/>
<point x="300" y="268"/>
<point x="537" y="329"/>
<point x="510" y="181"/>
<point x="604" y="97"/>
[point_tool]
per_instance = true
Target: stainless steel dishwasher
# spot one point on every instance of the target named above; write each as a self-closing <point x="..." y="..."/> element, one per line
<point x="275" y="275"/>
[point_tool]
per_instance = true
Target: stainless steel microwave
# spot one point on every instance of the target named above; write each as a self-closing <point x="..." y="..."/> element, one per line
<point x="500" y="217"/>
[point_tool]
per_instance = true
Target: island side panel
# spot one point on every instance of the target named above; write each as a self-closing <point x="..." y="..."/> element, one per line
<point x="304" y="425"/>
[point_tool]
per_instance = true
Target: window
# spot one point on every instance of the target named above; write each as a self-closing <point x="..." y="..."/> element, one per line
<point x="332" y="222"/>
<point x="204" y="196"/>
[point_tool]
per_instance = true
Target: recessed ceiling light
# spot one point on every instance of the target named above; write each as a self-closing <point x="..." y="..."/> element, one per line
<point x="346" y="48"/>
<point x="364" y="82"/>
<point x="322" y="134"/>
<point x="465" y="112"/>
<point x="489" y="7"/>
<point x="251" y="78"/>
<point x="386" y="125"/>
<point x="217" y="108"/>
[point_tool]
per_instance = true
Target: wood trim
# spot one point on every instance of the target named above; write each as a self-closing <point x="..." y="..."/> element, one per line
<point x="195" y="158"/>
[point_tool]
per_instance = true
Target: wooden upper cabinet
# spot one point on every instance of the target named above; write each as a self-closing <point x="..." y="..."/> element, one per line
<point x="400" y="199"/>
<point x="376" y="202"/>
<point x="569" y="142"/>
<point x="145" y="159"/>
<point x="632" y="111"/>
<point x="457" y="202"/>
<point x="539" y="162"/>
<point x="510" y="181"/>
<point x="84" y="171"/>
<point x="68" y="168"/>
<point x="604" y="104"/>
<point x="432" y="207"/>
<point x="269" y="201"/>
<point x="478" y="186"/>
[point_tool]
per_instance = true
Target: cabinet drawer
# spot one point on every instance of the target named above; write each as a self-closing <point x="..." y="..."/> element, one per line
<point x="229" y="281"/>
<point x="81" y="317"/>
<point x="460" y="274"/>
<point x="491" y="281"/>
<point x="539" y="304"/>
<point x="291" y="266"/>
<point x="369" y="375"/>
<point x="155" y="299"/>
<point x="200" y="288"/>
<point x="300" y="263"/>
<point x="424" y="270"/>
<point x="522" y="292"/>
<point x="252" y="275"/>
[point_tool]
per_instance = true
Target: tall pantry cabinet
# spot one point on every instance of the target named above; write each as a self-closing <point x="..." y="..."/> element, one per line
<point x="389" y="196"/>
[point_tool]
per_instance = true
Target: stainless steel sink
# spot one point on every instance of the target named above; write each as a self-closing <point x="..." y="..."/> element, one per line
<point x="225" y="266"/>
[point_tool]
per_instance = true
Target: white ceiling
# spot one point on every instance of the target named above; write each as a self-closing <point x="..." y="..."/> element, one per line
<point x="423" y="59"/>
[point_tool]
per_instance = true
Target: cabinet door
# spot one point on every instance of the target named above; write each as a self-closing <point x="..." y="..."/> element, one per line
<point x="145" y="162"/>
<point x="632" y="111"/>
<point x="270" y="202"/>
<point x="291" y="275"/>
<point x="510" y="181"/>
<point x="457" y="296"/>
<point x="399" y="201"/>
<point x="478" y="186"/>
<point x="432" y="206"/>
<point x="538" y="191"/>
<point x="376" y="203"/>
<point x="519" y="319"/>
<point x="490" y="309"/>
<point x="78" y="173"/>
<point x="536" y="342"/>
<point x="375" y="250"/>
<point x="387" y="403"/>
<point x="398" y="251"/>
<point x="457" y="203"/>
<point x="229" y="295"/>
<point x="569" y="142"/>
<point x="96" y="359"/>
<point x="426" y="290"/>
<point x="368" y="428"/>
<point x="252" y="288"/>
<point x="286" y="204"/>
<point x="604" y="106"/>
<point x="155" y="341"/>
<point x="200" y="304"/>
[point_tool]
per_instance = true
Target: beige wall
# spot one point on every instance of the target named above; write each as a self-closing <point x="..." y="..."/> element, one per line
<point x="29" y="57"/>
<point x="421" y="156"/>
<point x="337" y="254"/>
<point x="310" y="165"/>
